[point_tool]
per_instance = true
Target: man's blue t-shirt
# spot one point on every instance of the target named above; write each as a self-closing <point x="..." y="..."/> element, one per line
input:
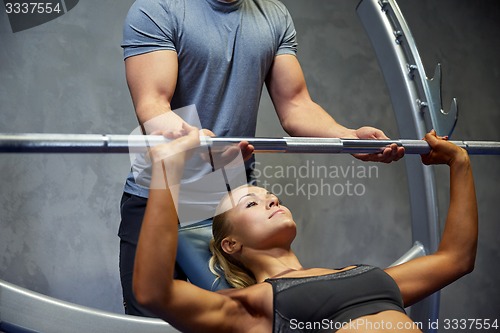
<point x="225" y="51"/>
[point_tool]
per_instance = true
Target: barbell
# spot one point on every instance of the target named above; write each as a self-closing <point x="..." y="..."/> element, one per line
<point x="117" y="143"/>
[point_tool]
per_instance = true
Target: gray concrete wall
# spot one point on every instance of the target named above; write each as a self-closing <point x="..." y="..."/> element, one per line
<point x="59" y="213"/>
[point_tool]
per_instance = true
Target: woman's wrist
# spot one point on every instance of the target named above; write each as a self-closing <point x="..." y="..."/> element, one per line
<point x="460" y="159"/>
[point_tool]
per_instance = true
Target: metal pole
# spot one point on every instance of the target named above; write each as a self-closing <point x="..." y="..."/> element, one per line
<point x="96" y="143"/>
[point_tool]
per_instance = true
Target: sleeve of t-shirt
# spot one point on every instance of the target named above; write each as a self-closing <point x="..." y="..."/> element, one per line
<point x="288" y="43"/>
<point x="149" y="26"/>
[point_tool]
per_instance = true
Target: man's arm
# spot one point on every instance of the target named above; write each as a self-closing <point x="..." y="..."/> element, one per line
<point x="298" y="113"/>
<point x="152" y="78"/>
<point x="301" y="116"/>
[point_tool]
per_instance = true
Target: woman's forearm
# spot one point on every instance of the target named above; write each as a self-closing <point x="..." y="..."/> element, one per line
<point x="156" y="250"/>
<point x="461" y="230"/>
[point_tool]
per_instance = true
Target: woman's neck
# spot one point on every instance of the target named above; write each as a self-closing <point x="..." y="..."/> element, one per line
<point x="272" y="263"/>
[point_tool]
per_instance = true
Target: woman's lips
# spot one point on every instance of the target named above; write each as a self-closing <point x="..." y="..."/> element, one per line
<point x="276" y="212"/>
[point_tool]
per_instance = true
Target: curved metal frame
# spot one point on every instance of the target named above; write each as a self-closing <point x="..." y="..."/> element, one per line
<point x="417" y="105"/>
<point x="23" y="310"/>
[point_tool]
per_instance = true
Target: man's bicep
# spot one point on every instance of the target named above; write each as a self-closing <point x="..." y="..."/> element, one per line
<point x="152" y="79"/>
<point x="286" y="83"/>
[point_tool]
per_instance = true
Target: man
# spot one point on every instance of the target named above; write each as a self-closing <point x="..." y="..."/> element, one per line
<point x="216" y="55"/>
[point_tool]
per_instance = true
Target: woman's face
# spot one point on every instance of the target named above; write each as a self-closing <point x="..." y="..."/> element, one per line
<point x="258" y="219"/>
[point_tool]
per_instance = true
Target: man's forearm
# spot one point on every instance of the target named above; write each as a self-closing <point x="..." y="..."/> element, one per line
<point x="310" y="119"/>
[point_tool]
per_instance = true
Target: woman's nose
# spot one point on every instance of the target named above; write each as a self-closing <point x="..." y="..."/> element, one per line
<point x="272" y="201"/>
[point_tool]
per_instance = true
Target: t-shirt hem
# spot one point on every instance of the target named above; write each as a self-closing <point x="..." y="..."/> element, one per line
<point x="135" y="51"/>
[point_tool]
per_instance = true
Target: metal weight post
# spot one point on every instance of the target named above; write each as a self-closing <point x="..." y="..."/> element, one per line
<point x="416" y="101"/>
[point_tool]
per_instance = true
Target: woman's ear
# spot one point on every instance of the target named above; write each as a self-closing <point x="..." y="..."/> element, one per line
<point x="230" y="245"/>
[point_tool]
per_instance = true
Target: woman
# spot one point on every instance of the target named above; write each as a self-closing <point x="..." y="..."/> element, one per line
<point x="252" y="244"/>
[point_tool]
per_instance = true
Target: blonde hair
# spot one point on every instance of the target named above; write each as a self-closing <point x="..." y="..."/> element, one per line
<point x="223" y="264"/>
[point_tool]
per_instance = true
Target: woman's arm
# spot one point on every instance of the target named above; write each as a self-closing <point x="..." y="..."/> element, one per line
<point x="183" y="305"/>
<point x="456" y="254"/>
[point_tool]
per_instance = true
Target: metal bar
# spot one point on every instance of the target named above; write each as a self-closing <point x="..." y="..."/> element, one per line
<point x="417" y="250"/>
<point x="95" y="143"/>
<point x="35" y="312"/>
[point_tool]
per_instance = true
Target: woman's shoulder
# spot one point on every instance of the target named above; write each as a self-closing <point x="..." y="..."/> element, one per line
<point x="251" y="291"/>
<point x="258" y="297"/>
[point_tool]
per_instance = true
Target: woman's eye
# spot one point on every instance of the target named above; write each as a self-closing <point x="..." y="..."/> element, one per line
<point x="250" y="204"/>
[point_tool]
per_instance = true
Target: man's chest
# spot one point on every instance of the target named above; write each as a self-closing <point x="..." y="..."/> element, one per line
<point x="216" y="40"/>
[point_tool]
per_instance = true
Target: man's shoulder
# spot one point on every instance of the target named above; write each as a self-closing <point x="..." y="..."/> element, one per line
<point x="272" y="6"/>
<point x="159" y="5"/>
<point x="272" y="3"/>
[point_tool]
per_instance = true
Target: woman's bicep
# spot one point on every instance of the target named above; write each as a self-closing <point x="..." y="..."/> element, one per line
<point x="421" y="277"/>
<point x="193" y="309"/>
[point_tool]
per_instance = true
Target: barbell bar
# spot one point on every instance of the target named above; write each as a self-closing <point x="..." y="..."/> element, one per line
<point x="117" y="143"/>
